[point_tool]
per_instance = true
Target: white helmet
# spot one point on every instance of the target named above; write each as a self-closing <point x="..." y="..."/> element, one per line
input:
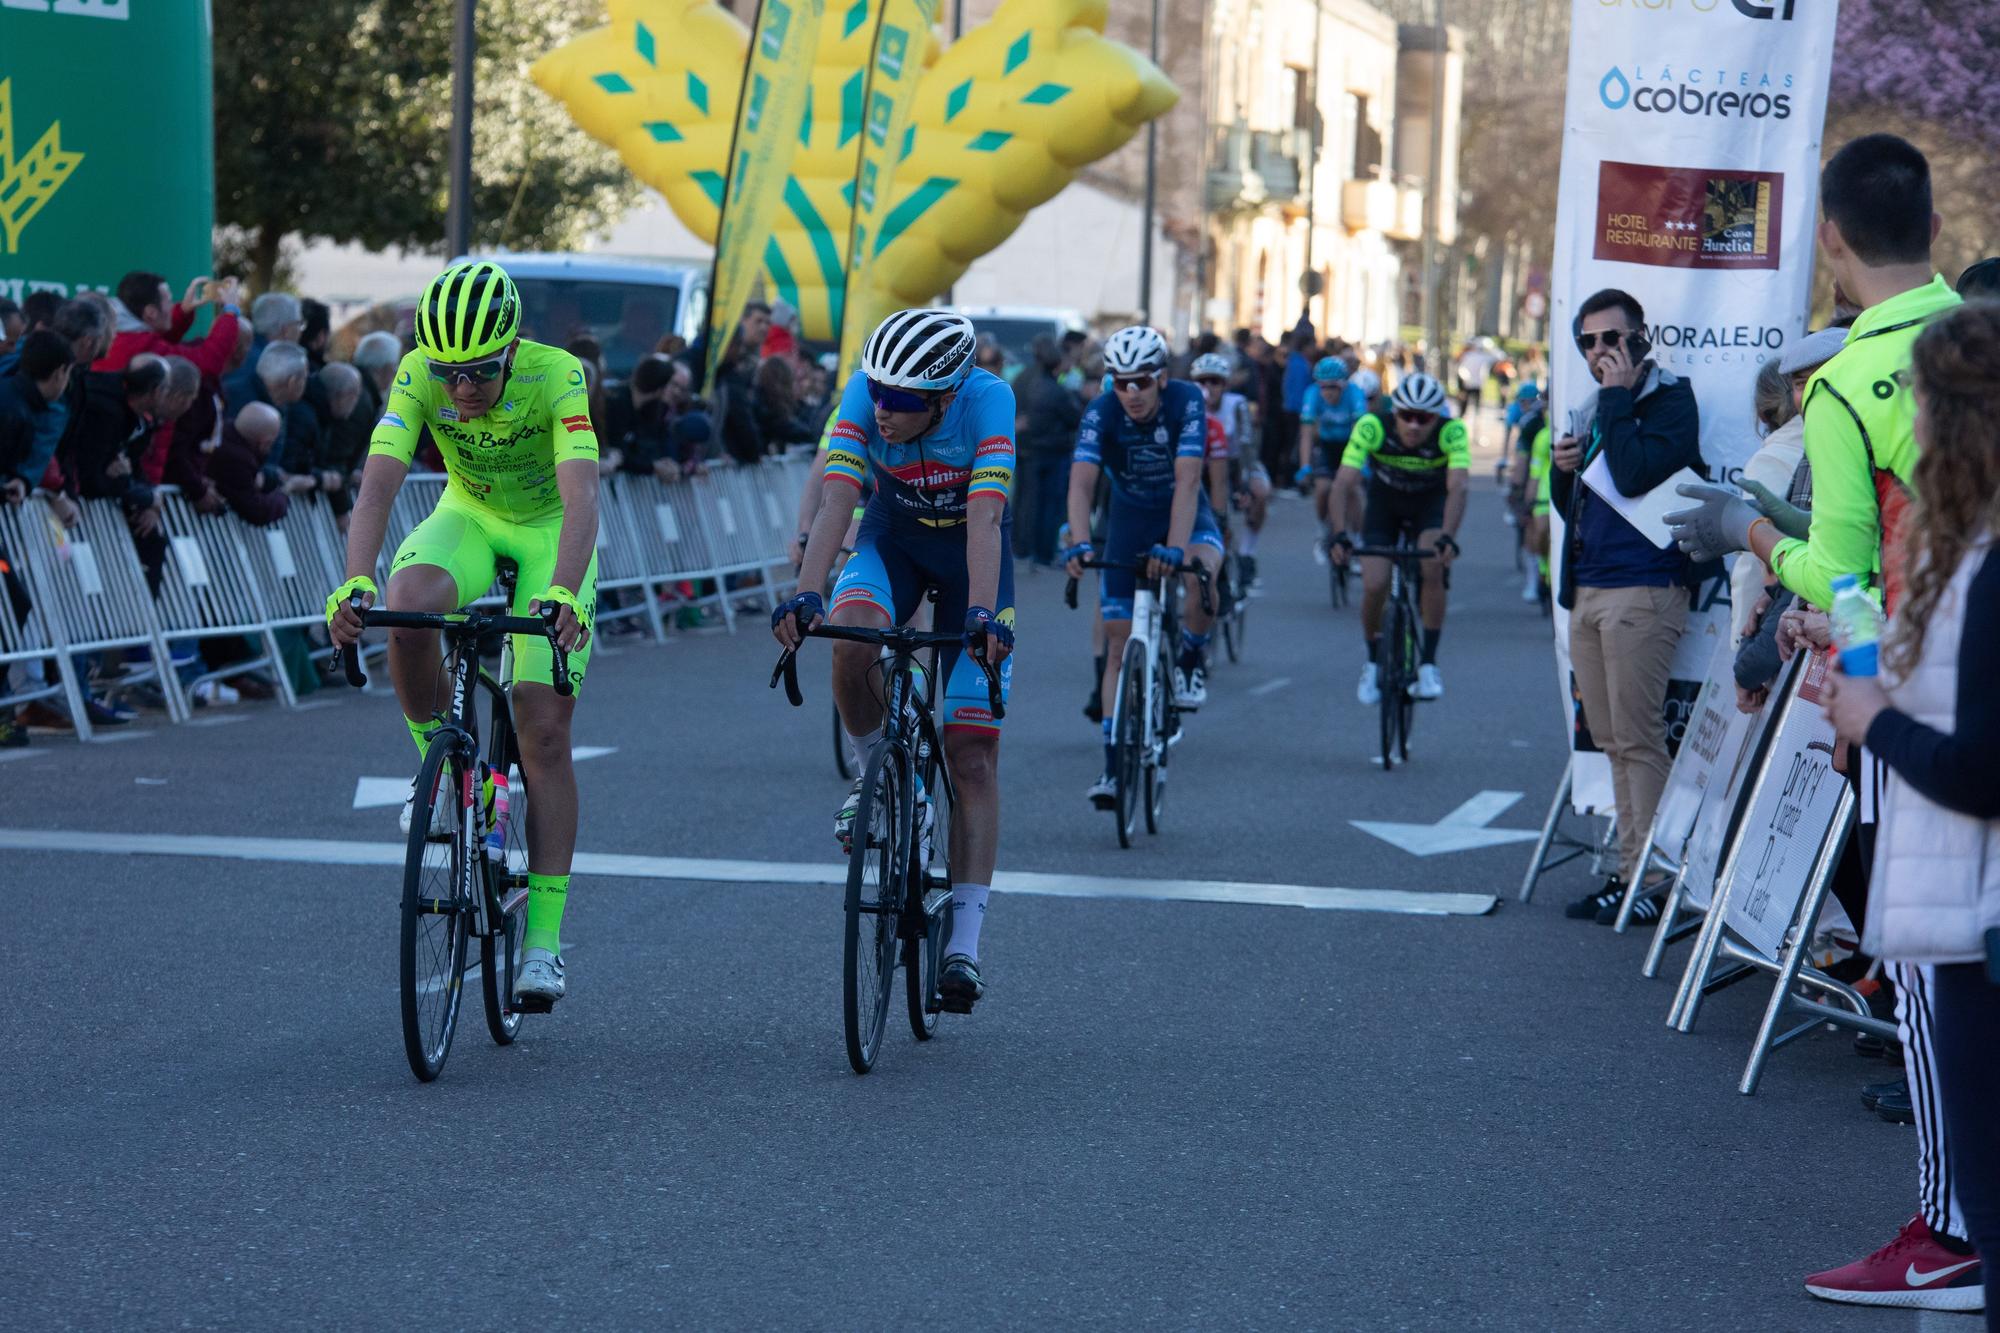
<point x="1419" y="393"/>
<point x="1137" y="350"/>
<point x="928" y="350"/>
<point x="1212" y="366"/>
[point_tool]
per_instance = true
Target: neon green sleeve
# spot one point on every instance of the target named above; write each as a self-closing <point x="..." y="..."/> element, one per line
<point x="1364" y="440"/>
<point x="1846" y="533"/>
<point x="1538" y="469"/>
<point x="1457" y="444"/>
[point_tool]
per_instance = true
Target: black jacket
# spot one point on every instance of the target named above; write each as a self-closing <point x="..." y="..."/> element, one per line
<point x="1647" y="437"/>
<point x="1049" y="413"/>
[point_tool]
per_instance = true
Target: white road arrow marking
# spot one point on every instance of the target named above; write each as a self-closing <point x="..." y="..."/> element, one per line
<point x="373" y="793"/>
<point x="1463" y="830"/>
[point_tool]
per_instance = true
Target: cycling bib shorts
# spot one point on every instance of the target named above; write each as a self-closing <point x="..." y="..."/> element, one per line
<point x="468" y="540"/>
<point x="889" y="571"/>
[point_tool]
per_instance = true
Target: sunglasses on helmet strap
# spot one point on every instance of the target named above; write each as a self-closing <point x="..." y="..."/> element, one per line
<point x="472" y="372"/>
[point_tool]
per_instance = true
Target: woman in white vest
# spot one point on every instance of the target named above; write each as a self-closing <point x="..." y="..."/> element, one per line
<point x="1933" y="718"/>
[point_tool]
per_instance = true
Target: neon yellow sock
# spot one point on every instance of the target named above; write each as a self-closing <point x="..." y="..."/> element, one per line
<point x="420" y="732"/>
<point x="545" y="911"/>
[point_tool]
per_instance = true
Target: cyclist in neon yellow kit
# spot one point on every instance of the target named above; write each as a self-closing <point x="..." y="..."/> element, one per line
<point x="512" y="420"/>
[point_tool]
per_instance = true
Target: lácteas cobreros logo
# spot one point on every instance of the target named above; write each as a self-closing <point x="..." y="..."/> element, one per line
<point x="1782" y="10"/>
<point x="1697" y="90"/>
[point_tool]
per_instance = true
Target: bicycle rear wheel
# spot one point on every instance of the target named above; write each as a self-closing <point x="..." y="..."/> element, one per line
<point x="1130" y="732"/>
<point x="435" y="917"/>
<point x="500" y="953"/>
<point x="1165" y="719"/>
<point x="877" y="862"/>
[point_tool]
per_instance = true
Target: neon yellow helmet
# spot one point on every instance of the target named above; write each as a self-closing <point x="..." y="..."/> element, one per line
<point x="468" y="312"/>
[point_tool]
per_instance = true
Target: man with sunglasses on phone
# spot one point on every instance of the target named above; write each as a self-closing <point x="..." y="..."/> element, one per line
<point x="1149" y="435"/>
<point x="1627" y="598"/>
<point x="512" y="419"/>
<point x="1416" y="489"/>
<point x="936" y="434"/>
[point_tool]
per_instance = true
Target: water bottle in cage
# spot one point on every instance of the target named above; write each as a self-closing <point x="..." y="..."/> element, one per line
<point x="496" y="834"/>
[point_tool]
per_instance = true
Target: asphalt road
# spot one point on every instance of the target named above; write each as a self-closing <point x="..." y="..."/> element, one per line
<point x="1175" y="1113"/>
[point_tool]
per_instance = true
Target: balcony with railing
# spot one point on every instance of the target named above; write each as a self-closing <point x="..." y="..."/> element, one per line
<point x="1252" y="169"/>
<point x="1379" y="201"/>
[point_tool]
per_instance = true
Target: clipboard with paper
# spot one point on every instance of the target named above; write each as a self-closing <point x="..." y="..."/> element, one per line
<point x="1647" y="513"/>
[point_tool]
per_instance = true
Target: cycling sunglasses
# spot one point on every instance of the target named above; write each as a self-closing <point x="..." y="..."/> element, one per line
<point x="892" y="399"/>
<point x="1206" y="380"/>
<point x="472" y="372"/>
<point x="1416" y="418"/>
<point x="1587" y="342"/>
<point x="1131" y="384"/>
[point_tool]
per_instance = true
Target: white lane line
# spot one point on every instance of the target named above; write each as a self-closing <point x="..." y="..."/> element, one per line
<point x="113" y="737"/>
<point x="219" y="720"/>
<point x="9" y="756"/>
<point x="329" y="851"/>
<point x="1270" y="686"/>
<point x="312" y="704"/>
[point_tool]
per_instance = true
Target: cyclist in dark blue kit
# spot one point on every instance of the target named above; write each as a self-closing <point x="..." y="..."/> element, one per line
<point x="1149" y="434"/>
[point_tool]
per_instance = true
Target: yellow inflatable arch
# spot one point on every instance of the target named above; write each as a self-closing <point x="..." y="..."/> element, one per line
<point x="1002" y="120"/>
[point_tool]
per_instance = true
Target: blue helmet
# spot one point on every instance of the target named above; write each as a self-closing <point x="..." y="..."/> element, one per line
<point x="1528" y="393"/>
<point x="1330" y="370"/>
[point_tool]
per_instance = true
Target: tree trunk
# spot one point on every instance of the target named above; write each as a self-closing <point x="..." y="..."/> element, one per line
<point x="264" y="256"/>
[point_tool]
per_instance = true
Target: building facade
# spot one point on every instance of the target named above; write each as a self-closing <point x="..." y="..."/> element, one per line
<point x="1317" y="160"/>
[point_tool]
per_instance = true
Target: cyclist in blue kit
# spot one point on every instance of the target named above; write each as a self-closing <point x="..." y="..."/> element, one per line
<point x="1149" y="434"/>
<point x="936" y="435"/>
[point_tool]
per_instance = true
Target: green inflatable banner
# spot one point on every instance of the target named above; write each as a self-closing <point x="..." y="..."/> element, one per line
<point x="107" y="143"/>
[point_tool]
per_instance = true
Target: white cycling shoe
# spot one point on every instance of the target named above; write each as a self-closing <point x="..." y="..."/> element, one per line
<point x="1369" y="692"/>
<point x="540" y="978"/>
<point x="1103" y="793"/>
<point x="443" y="813"/>
<point x="1429" y="683"/>
<point x="1190" y="688"/>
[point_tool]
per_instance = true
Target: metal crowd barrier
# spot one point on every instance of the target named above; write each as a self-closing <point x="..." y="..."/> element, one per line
<point x="726" y="529"/>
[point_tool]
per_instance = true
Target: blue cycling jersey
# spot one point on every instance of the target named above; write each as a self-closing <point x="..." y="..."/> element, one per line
<point x="1335" y="420"/>
<point x="927" y="481"/>
<point x="1139" y="456"/>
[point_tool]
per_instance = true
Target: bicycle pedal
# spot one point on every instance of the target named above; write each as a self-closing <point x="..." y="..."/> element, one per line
<point x="531" y="1004"/>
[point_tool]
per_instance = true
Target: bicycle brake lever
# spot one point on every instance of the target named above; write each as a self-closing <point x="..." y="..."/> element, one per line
<point x="1069" y="594"/>
<point x="788" y="671"/>
<point x="349" y="658"/>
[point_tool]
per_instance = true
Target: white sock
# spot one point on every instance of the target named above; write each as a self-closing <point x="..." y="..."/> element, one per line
<point x="859" y="746"/>
<point x="1248" y="543"/>
<point x="968" y="914"/>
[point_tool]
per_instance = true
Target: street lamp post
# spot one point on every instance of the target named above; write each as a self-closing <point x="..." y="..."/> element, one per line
<point x="458" y="214"/>
<point x="1434" y="198"/>
<point x="1152" y="158"/>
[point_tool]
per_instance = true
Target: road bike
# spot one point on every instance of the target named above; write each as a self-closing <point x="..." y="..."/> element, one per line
<point x="454" y="886"/>
<point x="1145" y="720"/>
<point x="1402" y="645"/>
<point x="898" y="862"/>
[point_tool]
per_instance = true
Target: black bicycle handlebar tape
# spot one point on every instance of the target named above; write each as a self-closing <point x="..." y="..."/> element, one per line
<point x="1069" y="595"/>
<point x="559" y="668"/>
<point x="787" y="670"/>
<point x="350" y="656"/>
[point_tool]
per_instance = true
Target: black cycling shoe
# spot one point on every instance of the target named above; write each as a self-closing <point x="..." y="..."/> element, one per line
<point x="959" y="986"/>
<point x="1872" y="1095"/>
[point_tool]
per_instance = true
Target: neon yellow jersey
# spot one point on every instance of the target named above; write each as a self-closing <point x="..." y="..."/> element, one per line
<point x="504" y="461"/>
<point x="1538" y="470"/>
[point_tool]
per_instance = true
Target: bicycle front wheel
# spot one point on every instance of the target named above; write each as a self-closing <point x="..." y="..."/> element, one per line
<point x="1389" y="677"/>
<point x="1410" y="649"/>
<point x="1165" y="718"/>
<point x="436" y="916"/>
<point x="877" y="861"/>
<point x="923" y="954"/>
<point x="1130" y="733"/>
